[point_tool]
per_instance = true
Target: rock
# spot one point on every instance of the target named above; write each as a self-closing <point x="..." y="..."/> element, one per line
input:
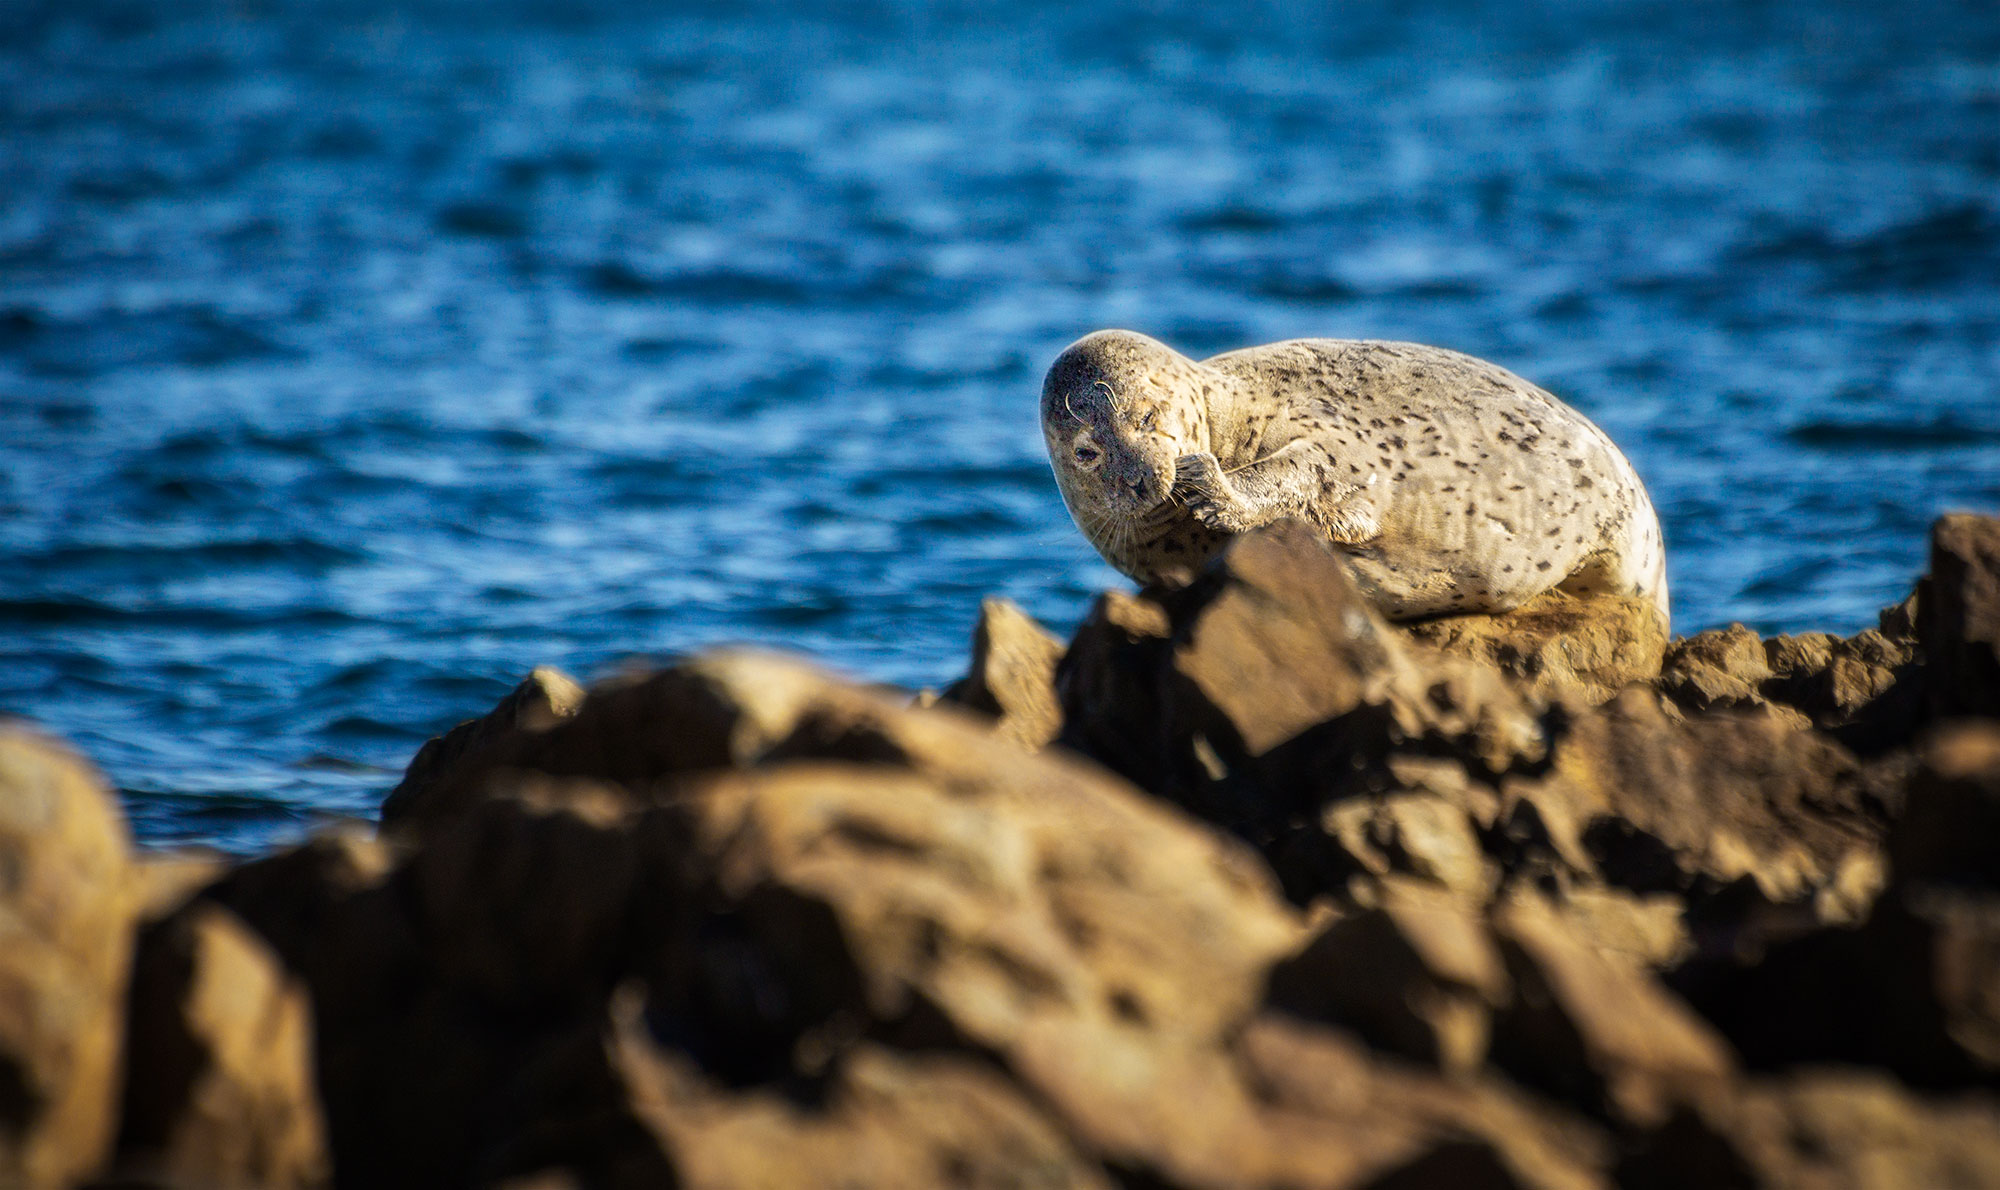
<point x="1419" y="832"/>
<point x="1950" y="829"/>
<point x="1361" y="1120"/>
<point x="1593" y="1027"/>
<point x="1660" y="803"/>
<point x="1867" y="691"/>
<point x="527" y="902"/>
<point x="1417" y="974"/>
<point x="391" y="1052"/>
<point x="1109" y="684"/>
<point x="544" y="698"/>
<point x="1013" y="675"/>
<point x="1559" y="646"/>
<point x="1719" y="668"/>
<point x="1824" y="1128"/>
<point x="163" y="881"/>
<point x="66" y="909"/>
<point x="1278" y="658"/>
<point x="1958" y="618"/>
<point x="788" y="864"/>
<point x="1649" y="931"/>
<point x="883" y="1119"/>
<point x="1918" y="991"/>
<point x="219" y="1086"/>
<point x="1269" y="692"/>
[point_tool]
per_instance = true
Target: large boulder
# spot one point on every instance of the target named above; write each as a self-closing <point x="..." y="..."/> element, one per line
<point x="66" y="920"/>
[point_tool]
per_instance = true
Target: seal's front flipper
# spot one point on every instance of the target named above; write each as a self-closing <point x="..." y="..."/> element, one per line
<point x="1201" y="488"/>
<point x="1349" y="521"/>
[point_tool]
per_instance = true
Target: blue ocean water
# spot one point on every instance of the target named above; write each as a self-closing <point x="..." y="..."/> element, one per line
<point x="357" y="356"/>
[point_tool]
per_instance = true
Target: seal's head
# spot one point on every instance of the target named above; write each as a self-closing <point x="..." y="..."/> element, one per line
<point x="1118" y="409"/>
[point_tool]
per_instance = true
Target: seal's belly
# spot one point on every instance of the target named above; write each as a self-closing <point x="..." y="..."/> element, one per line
<point x="1484" y="513"/>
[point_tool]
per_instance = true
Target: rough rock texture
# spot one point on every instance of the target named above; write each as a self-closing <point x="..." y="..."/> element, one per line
<point x="1294" y="899"/>
<point x="65" y="943"/>
<point x="219" y="1071"/>
<point x="1013" y="675"/>
<point x="1559" y="646"/>
<point x="1651" y="802"/>
<point x="1867" y="691"/>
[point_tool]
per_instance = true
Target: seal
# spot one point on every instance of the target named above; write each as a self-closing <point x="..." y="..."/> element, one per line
<point x="1450" y="484"/>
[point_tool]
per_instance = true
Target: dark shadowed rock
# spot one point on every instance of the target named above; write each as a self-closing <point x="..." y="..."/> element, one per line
<point x="1109" y="683"/>
<point x="544" y="698"/>
<point x="1959" y="615"/>
<point x="1417" y="974"/>
<point x="1837" y="1129"/>
<point x="1013" y="675"/>
<point x="66" y="911"/>
<point x="219" y="1088"/>
<point x="1593" y="1027"/>
<point x="882" y="1118"/>
<point x="1916" y="991"/>
<point x="1950" y="828"/>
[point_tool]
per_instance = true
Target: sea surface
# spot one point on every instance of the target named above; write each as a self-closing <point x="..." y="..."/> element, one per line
<point x="356" y="356"/>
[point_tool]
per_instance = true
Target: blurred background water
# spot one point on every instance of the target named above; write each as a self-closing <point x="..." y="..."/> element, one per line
<point x="356" y="356"/>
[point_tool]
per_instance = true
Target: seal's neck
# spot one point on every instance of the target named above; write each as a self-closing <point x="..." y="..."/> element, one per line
<point x="1230" y="433"/>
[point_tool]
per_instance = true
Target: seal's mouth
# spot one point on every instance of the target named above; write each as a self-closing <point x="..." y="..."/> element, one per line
<point x="1163" y="513"/>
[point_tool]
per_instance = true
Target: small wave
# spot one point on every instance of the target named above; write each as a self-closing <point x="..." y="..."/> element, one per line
<point x="617" y="279"/>
<point x="1888" y="435"/>
<point x="42" y="611"/>
<point x="1234" y="218"/>
<point x="298" y="551"/>
<point x="1313" y="290"/>
<point x="1940" y="248"/>
<point x="483" y="220"/>
<point x="196" y="336"/>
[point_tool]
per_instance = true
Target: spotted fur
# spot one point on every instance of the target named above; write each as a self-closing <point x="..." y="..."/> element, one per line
<point x="1451" y="484"/>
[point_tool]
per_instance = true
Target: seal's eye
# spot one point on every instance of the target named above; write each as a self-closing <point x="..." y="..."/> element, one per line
<point x="1146" y="422"/>
<point x="1086" y="455"/>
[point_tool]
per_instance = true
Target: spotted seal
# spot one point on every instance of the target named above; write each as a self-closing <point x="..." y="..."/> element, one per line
<point x="1451" y="484"/>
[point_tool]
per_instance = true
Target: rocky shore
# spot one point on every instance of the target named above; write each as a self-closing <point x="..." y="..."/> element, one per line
<point x="1241" y="887"/>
